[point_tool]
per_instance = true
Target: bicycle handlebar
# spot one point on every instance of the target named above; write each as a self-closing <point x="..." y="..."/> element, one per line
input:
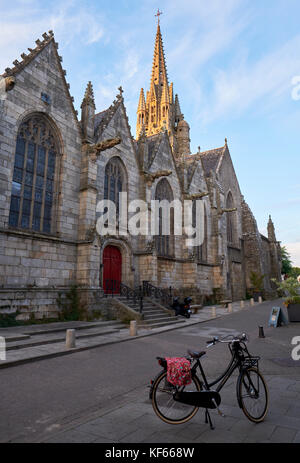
<point x="243" y="337"/>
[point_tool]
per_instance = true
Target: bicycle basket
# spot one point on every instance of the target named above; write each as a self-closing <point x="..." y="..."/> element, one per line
<point x="251" y="362"/>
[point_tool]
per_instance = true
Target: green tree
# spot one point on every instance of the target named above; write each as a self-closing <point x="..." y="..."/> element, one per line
<point x="295" y="271"/>
<point x="286" y="261"/>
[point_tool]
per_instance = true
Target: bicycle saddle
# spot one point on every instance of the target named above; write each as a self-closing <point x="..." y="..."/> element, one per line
<point x="196" y="355"/>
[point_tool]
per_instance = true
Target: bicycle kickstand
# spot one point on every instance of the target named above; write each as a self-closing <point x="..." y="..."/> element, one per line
<point x="208" y="419"/>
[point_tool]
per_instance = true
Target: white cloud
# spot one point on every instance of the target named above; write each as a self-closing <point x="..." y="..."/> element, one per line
<point x="72" y="24"/>
<point x="264" y="81"/>
<point x="294" y="251"/>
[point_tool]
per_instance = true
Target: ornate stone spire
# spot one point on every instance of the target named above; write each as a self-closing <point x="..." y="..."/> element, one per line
<point x="142" y="102"/>
<point x="271" y="230"/>
<point x="159" y="69"/>
<point x="156" y="112"/>
<point x="160" y="112"/>
<point x="88" y="98"/>
<point x="88" y="113"/>
<point x="141" y="114"/>
<point x="177" y="110"/>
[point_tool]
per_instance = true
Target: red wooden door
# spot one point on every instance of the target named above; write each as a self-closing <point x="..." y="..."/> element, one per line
<point x="112" y="269"/>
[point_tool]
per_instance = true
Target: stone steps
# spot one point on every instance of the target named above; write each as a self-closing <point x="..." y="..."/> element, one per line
<point x="154" y="316"/>
<point x="39" y="337"/>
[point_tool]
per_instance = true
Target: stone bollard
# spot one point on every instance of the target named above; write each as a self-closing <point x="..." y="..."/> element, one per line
<point x="229" y="307"/>
<point x="242" y="304"/>
<point x="260" y="300"/>
<point x="251" y="301"/>
<point x="70" y="339"/>
<point x="133" y="329"/>
<point x="213" y="312"/>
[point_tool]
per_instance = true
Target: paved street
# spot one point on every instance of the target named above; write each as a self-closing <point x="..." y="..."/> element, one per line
<point x="101" y="395"/>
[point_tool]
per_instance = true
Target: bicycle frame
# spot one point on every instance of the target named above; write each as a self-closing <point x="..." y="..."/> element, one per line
<point x="233" y="364"/>
<point x="237" y="361"/>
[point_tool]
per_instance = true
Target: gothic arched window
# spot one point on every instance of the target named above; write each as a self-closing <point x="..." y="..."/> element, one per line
<point x="114" y="180"/>
<point x="33" y="185"/>
<point x="201" y="251"/>
<point x="165" y="242"/>
<point x="230" y="219"/>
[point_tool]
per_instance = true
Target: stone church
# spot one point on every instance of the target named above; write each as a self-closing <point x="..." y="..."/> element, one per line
<point x="55" y="167"/>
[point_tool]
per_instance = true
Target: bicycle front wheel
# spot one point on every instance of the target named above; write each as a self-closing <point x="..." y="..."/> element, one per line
<point x="164" y="405"/>
<point x="253" y="394"/>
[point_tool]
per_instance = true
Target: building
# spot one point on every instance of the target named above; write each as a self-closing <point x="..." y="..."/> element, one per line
<point x="55" y="168"/>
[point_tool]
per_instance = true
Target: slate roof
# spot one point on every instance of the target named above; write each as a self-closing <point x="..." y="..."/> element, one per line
<point x="210" y="159"/>
<point x="99" y="117"/>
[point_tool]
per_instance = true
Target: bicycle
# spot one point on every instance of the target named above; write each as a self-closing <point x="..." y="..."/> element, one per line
<point x="177" y="405"/>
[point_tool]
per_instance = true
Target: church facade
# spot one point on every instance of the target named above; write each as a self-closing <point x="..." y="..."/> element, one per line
<point x="55" y="168"/>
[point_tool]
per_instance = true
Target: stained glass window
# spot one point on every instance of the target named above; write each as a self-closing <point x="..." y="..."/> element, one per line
<point x="165" y="242"/>
<point x="32" y="196"/>
<point x="230" y="219"/>
<point x="201" y="251"/>
<point x="114" y="181"/>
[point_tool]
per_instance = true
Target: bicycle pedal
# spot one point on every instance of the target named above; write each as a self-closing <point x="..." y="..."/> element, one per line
<point x="218" y="410"/>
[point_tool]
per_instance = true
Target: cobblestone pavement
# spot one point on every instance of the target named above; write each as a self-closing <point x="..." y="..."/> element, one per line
<point x="123" y="412"/>
<point x="21" y="351"/>
<point x="134" y="421"/>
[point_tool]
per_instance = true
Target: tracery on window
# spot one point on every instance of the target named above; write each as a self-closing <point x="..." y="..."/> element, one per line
<point x="201" y="251"/>
<point x="114" y="181"/>
<point x="165" y="243"/>
<point x="33" y="185"/>
<point x="230" y="216"/>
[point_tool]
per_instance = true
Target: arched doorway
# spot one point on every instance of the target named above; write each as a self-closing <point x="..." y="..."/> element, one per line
<point x="112" y="269"/>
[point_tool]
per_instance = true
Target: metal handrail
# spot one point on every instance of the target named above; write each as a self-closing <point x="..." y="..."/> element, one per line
<point x="118" y="288"/>
<point x="162" y="294"/>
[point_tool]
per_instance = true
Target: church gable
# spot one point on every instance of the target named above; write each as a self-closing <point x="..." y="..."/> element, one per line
<point x="114" y="125"/>
<point x="40" y="75"/>
<point x="163" y="158"/>
<point x="41" y="90"/>
<point x="226" y="175"/>
<point x="194" y="178"/>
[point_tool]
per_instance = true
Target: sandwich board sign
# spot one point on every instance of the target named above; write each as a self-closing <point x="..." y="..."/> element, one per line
<point x="277" y="317"/>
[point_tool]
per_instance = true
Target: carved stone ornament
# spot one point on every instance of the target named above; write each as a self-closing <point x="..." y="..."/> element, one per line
<point x="90" y="233"/>
<point x="221" y="211"/>
<point x="150" y="177"/>
<point x="191" y="254"/>
<point x="95" y="149"/>
<point x="150" y="245"/>
<point x="196" y="195"/>
<point x="9" y="83"/>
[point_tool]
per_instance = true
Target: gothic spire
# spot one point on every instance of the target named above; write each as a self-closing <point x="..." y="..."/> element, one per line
<point x="271" y="230"/>
<point x="88" y="98"/>
<point x="159" y="75"/>
<point x="142" y="102"/>
<point x="178" y="114"/>
<point x="159" y="112"/>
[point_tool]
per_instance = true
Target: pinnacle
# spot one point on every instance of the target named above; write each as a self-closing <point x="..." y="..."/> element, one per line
<point x="142" y="102"/>
<point x="89" y="95"/>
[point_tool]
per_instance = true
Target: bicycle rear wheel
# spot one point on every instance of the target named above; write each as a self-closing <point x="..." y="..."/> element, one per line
<point x="168" y="409"/>
<point x="253" y="394"/>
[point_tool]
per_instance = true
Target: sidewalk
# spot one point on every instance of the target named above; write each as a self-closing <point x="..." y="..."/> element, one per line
<point x="30" y="343"/>
<point x="131" y="419"/>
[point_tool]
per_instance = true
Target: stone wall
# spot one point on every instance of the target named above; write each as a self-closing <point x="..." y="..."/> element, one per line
<point x="27" y="260"/>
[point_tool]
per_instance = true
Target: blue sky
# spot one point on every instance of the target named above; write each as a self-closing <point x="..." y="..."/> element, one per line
<point x="232" y="64"/>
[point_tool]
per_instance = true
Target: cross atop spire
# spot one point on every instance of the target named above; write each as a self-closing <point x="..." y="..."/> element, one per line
<point x="158" y="15"/>
<point x="158" y="111"/>
<point x="159" y="69"/>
